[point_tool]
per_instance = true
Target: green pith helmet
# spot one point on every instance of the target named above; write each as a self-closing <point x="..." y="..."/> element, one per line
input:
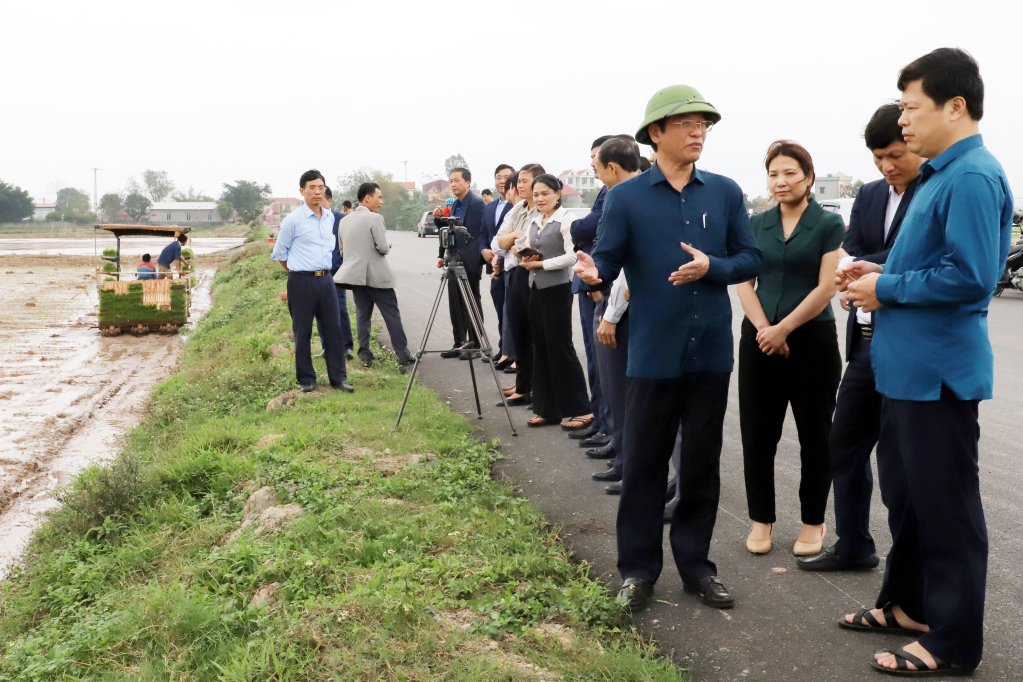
<point x="672" y="100"/>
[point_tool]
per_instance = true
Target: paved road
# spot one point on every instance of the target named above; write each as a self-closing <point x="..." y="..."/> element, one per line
<point x="784" y="624"/>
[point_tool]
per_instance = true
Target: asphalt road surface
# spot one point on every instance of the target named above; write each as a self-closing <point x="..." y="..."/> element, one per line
<point x="784" y="624"/>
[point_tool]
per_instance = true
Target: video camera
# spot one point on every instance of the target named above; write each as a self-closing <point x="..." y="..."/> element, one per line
<point x="454" y="237"/>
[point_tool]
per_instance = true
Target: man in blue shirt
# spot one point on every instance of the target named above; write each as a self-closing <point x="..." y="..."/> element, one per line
<point x="469" y="208"/>
<point x="680" y="338"/>
<point x="171" y="254"/>
<point x="305" y="249"/>
<point x="933" y="362"/>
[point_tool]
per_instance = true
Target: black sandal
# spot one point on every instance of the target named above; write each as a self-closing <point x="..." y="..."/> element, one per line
<point x="943" y="669"/>
<point x="874" y="626"/>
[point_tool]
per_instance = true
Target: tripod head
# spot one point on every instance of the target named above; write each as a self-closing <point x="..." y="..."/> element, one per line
<point x="454" y="237"/>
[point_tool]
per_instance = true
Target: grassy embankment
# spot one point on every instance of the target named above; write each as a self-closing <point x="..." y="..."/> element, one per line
<point x="405" y="562"/>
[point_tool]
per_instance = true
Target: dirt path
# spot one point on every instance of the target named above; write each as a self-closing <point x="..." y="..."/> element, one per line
<point x="67" y="394"/>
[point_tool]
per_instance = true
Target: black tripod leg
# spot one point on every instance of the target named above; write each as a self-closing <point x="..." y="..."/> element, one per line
<point x="481" y="334"/>
<point x="469" y="301"/>
<point x="422" y="347"/>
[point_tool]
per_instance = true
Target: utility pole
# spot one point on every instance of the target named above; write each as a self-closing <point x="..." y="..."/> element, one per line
<point x="95" y="193"/>
<point x="406" y="170"/>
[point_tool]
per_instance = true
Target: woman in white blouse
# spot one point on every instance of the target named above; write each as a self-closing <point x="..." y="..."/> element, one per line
<point x="559" y="387"/>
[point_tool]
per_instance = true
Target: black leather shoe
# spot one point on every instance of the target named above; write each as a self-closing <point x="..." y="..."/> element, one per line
<point x="597" y="440"/>
<point x="614" y="489"/>
<point x="608" y="475"/>
<point x="406" y="360"/>
<point x="308" y="388"/>
<point x="605" y="452"/>
<point x="829" y="560"/>
<point x="669" y="509"/>
<point x="344" y="386"/>
<point x="521" y="400"/>
<point x="510" y="370"/>
<point x="583" y="433"/>
<point x="637" y="593"/>
<point x="349" y="354"/>
<point x="453" y="353"/>
<point x="712" y="592"/>
<point x="503" y="364"/>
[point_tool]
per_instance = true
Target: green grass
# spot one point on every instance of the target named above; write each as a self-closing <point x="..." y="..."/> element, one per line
<point x="409" y="563"/>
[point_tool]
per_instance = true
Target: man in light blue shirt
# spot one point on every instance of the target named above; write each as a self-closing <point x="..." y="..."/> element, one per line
<point x="305" y="248"/>
<point x="933" y="364"/>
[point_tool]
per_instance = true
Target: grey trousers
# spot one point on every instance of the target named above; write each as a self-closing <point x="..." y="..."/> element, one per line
<point x="387" y="302"/>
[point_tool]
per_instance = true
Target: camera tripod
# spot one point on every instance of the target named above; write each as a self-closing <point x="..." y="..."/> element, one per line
<point x="455" y="271"/>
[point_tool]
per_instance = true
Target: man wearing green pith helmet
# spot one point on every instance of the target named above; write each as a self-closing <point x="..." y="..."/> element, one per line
<point x="682" y="235"/>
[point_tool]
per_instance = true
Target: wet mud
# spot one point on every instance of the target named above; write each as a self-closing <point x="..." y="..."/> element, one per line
<point x="68" y="395"/>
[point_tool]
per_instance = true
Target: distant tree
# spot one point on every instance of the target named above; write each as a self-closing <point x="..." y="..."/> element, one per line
<point x="226" y="210"/>
<point x="112" y="206"/>
<point x="158" y="185"/>
<point x="136" y="206"/>
<point x="454" y="161"/>
<point x="589" y="196"/>
<point x="15" y="204"/>
<point x="71" y="200"/>
<point x="856" y="188"/>
<point x="132" y="186"/>
<point x="190" y="195"/>
<point x="401" y="210"/>
<point x="248" y="198"/>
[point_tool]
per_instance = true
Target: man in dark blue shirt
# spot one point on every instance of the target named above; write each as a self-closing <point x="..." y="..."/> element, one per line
<point x="680" y="338"/>
<point x="469" y="208"/>
<point x="335" y="265"/>
<point x="171" y="253"/>
<point x="933" y="362"/>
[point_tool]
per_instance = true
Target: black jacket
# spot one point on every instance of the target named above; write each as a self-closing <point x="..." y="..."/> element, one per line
<point x="491" y="224"/>
<point x="473" y="219"/>
<point x="865" y="239"/>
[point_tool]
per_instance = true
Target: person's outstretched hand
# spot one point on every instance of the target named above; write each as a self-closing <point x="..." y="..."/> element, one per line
<point x="586" y="269"/>
<point x="694" y="269"/>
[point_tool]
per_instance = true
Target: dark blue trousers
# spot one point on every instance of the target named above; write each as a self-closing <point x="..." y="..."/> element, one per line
<point x="601" y="413"/>
<point x="655" y="408"/>
<point x="497" y="296"/>
<point x="612" y="364"/>
<point x="854" y="433"/>
<point x="312" y="297"/>
<point x="937" y="567"/>
<point x="346" y="321"/>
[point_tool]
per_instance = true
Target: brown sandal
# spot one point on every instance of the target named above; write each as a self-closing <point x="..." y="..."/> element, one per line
<point x="577" y="423"/>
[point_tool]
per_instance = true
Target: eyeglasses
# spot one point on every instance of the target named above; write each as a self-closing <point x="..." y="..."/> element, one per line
<point x="689" y="125"/>
<point x="316" y="188"/>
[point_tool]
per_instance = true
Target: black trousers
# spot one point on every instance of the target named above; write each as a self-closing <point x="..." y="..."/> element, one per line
<point x="808" y="380"/>
<point x="854" y="433"/>
<point x="559" y="387"/>
<point x="461" y="323"/>
<point x="315" y="297"/>
<point x="384" y="299"/>
<point x="654" y="410"/>
<point x="598" y="406"/>
<point x="937" y="567"/>
<point x="497" y="296"/>
<point x="517" y="297"/>
<point x="507" y="340"/>
<point x="346" y="321"/>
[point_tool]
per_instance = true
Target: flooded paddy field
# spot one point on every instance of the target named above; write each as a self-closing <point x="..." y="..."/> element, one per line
<point x="67" y="394"/>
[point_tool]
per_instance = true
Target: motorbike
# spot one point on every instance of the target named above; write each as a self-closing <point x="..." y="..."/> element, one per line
<point x="1012" y="277"/>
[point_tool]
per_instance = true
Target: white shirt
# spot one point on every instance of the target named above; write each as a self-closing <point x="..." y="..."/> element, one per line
<point x="520" y="217"/>
<point x="894" y="201"/>
<point x="616" y="303"/>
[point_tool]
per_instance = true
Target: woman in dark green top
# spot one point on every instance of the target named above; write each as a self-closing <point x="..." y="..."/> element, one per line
<point x="788" y="351"/>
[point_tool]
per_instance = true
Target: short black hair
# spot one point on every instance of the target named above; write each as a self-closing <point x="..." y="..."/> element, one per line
<point x="346" y="204"/>
<point x="502" y="167"/>
<point x="466" y="175"/>
<point x="533" y="169"/>
<point x="146" y="258"/>
<point x="644" y="164"/>
<point x="883" y="127"/>
<point x="327" y="193"/>
<point x="366" y="189"/>
<point x="512" y="181"/>
<point x="309" y="176"/>
<point x="487" y="192"/>
<point x="599" y="141"/>
<point x="182" y="238"/>
<point x="621" y="151"/>
<point x="946" y="73"/>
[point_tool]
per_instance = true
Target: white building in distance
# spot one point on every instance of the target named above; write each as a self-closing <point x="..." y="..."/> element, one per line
<point x="184" y="213"/>
<point x="581" y="180"/>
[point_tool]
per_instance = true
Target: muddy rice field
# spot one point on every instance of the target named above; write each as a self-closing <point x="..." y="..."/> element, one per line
<point x="67" y="394"/>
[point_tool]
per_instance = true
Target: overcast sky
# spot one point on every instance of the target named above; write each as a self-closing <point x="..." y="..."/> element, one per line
<point x="216" y="91"/>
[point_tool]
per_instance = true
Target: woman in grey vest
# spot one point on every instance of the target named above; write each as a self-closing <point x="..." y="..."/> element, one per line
<point x="559" y="388"/>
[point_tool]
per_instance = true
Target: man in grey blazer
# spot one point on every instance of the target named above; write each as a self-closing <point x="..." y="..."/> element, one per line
<point x="362" y="238"/>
